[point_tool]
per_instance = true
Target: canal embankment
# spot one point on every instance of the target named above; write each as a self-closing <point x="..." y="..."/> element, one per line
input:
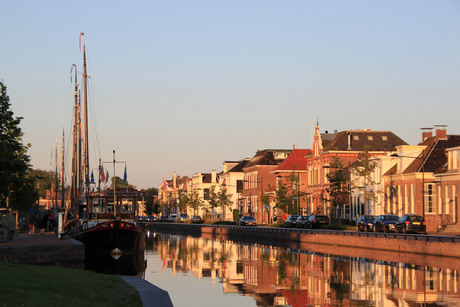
<point x="370" y="244"/>
<point x="46" y="249"/>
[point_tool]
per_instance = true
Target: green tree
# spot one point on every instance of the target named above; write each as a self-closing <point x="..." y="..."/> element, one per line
<point x="288" y="193"/>
<point x="15" y="169"/>
<point x="224" y="201"/>
<point x="194" y="201"/>
<point x="363" y="169"/>
<point x="119" y="183"/>
<point x="284" y="198"/>
<point x="338" y="189"/>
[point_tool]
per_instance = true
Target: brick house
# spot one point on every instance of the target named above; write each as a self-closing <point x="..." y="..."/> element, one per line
<point x="258" y="179"/>
<point x="346" y="146"/>
<point x="422" y="183"/>
<point x="294" y="165"/>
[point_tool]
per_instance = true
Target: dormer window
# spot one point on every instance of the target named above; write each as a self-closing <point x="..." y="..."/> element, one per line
<point x="355" y="137"/>
<point x="370" y="137"/>
<point x="384" y="138"/>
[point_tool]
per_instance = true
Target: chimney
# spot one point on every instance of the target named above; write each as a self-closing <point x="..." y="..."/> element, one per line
<point x="427" y="133"/>
<point x="441" y="132"/>
<point x="349" y="141"/>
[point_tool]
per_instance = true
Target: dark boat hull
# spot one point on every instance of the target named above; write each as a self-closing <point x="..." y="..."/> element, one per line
<point x="113" y="237"/>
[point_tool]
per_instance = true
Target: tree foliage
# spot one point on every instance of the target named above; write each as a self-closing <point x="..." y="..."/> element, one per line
<point x="363" y="169"/>
<point x="338" y="189"/>
<point x="288" y="193"/>
<point x="17" y="185"/>
<point x="219" y="199"/>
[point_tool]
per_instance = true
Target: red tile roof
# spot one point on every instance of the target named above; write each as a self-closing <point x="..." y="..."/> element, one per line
<point x="295" y="161"/>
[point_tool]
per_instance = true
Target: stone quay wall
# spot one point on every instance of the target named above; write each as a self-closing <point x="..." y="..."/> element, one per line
<point x="299" y="238"/>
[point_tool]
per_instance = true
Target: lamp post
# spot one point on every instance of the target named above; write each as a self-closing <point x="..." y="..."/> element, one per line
<point x="423" y="178"/>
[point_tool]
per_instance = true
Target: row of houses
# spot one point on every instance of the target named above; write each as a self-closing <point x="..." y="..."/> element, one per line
<point x="420" y="179"/>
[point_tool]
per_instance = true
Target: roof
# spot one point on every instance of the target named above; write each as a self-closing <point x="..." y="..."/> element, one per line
<point x="239" y="167"/>
<point x="433" y="158"/>
<point x="295" y="161"/>
<point x="361" y="140"/>
<point x="266" y="157"/>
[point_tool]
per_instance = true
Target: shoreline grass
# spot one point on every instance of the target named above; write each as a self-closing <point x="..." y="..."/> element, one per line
<point x="31" y="285"/>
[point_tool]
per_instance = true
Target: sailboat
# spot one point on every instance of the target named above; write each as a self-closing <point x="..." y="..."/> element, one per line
<point x="102" y="220"/>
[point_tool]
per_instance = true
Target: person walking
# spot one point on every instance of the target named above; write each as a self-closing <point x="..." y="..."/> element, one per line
<point x="32" y="214"/>
<point x="43" y="220"/>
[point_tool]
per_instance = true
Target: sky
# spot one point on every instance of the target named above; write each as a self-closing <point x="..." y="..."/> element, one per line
<point x="182" y="86"/>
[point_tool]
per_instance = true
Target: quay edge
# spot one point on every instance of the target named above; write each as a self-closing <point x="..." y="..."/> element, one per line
<point x="299" y="239"/>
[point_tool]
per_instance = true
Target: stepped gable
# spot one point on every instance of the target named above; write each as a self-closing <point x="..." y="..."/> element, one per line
<point x="434" y="156"/>
<point x="295" y="161"/>
<point x="362" y="140"/>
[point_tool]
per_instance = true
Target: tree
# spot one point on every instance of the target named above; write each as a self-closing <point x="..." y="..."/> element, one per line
<point x="194" y="201"/>
<point x="15" y="169"/>
<point x="119" y="183"/>
<point x="363" y="169"/>
<point x="338" y="189"/>
<point x="288" y="193"/>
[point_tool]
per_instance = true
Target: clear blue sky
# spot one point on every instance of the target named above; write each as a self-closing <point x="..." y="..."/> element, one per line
<point x="184" y="85"/>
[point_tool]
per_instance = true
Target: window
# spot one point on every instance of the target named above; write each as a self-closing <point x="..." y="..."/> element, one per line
<point x="99" y="205"/>
<point x="370" y="137"/>
<point x="127" y="205"/>
<point x="239" y="186"/>
<point x="384" y="138"/>
<point x="429" y="198"/>
<point x="206" y="194"/>
<point x="355" y="137"/>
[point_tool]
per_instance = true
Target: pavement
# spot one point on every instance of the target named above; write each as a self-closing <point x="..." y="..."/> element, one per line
<point x="150" y="294"/>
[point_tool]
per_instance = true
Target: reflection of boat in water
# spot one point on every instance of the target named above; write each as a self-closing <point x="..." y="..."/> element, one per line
<point x="126" y="264"/>
<point x="107" y="225"/>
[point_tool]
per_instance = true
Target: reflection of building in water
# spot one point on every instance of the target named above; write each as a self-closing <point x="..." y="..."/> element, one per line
<point x="399" y="284"/>
<point x="275" y="276"/>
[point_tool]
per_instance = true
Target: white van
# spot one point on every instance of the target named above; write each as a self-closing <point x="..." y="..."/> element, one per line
<point x="172" y="218"/>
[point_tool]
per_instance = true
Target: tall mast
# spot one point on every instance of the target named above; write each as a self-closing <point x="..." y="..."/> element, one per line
<point x="114" y="187"/>
<point x="62" y="168"/>
<point x="74" y="177"/>
<point x="56" y="177"/>
<point x="85" y="105"/>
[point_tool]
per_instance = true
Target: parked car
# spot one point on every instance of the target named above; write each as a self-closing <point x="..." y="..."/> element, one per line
<point x="365" y="223"/>
<point x="172" y="218"/>
<point x="163" y="218"/>
<point x="248" y="220"/>
<point x="196" y="219"/>
<point x="385" y="223"/>
<point x="182" y="217"/>
<point x="411" y="223"/>
<point x="150" y="218"/>
<point x="316" y="220"/>
<point x="302" y="221"/>
<point x="291" y="221"/>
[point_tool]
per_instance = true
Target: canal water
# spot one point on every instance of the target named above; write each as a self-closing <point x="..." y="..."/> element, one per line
<point x="204" y="272"/>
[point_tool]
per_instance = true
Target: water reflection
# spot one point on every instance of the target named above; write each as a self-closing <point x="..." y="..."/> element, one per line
<point x="275" y="276"/>
<point x="124" y="264"/>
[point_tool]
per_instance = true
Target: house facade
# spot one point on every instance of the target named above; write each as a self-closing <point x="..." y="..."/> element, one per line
<point x="422" y="183"/>
<point x="292" y="172"/>
<point x="258" y="180"/>
<point x="345" y="146"/>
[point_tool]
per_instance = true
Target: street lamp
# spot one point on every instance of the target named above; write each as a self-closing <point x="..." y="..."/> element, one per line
<point x="423" y="178"/>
